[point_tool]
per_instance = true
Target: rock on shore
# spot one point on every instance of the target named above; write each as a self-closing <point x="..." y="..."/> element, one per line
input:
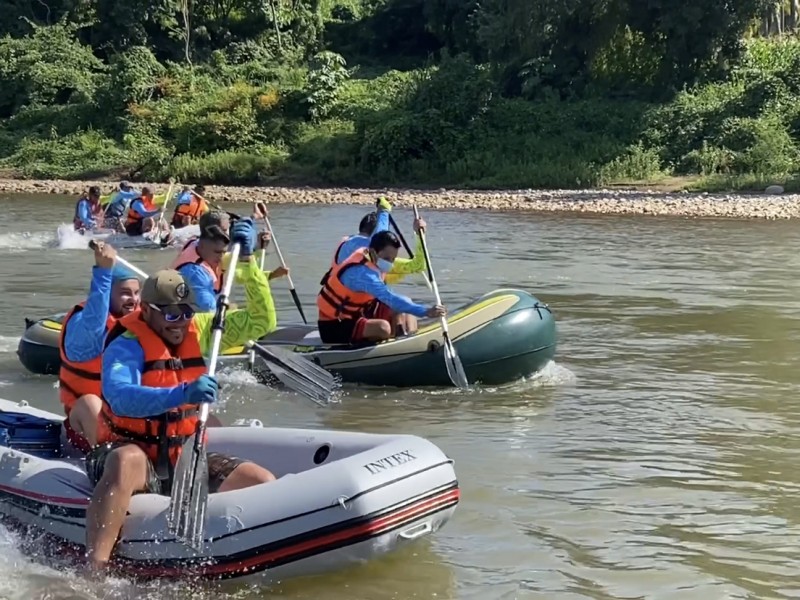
<point x="634" y="202"/>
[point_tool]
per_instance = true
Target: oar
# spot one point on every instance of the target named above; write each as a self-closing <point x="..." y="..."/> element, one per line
<point x="393" y="223"/>
<point x="298" y="373"/>
<point x="213" y="204"/>
<point x="186" y="517"/>
<point x="122" y="261"/>
<point x="453" y="363"/>
<point x="293" y="291"/>
<point x="161" y="218"/>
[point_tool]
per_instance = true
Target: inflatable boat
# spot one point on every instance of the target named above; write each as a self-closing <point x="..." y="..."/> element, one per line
<point x="340" y="498"/>
<point x="69" y="239"/>
<point x="500" y="337"/>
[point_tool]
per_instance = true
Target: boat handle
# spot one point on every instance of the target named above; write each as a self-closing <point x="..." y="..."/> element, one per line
<point x="416" y="531"/>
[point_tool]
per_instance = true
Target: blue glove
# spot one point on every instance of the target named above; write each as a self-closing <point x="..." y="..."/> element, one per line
<point x="243" y="232"/>
<point x="204" y="389"/>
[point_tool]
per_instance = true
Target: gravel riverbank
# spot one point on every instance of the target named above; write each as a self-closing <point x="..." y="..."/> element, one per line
<point x="613" y="201"/>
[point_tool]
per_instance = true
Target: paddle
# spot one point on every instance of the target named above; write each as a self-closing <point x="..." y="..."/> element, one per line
<point x="158" y="237"/>
<point x="122" y="261"/>
<point x="455" y="370"/>
<point x="393" y="223"/>
<point x="292" y="290"/>
<point x="213" y="204"/>
<point x="186" y="517"/>
<point x="298" y="373"/>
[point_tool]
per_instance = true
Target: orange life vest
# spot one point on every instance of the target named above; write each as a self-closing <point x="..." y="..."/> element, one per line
<point x="160" y="436"/>
<point x="76" y="379"/>
<point x="189" y="256"/>
<point x="335" y="301"/>
<point x="333" y="260"/>
<point x="133" y="215"/>
<point x="194" y="210"/>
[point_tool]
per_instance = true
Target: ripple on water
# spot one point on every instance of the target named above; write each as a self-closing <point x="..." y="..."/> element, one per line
<point x="654" y="459"/>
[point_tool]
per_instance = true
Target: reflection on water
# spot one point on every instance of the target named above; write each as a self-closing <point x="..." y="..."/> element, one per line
<point x="655" y="459"/>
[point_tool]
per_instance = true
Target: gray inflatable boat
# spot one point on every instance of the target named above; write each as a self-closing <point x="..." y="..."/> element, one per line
<point x="340" y="498"/>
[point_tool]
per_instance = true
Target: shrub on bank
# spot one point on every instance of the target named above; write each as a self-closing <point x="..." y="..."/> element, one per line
<point x="236" y="119"/>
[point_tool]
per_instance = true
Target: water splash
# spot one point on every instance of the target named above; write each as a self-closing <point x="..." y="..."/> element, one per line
<point x="8" y="343"/>
<point x="551" y="375"/>
<point x="22" y="241"/>
<point x="69" y="239"/>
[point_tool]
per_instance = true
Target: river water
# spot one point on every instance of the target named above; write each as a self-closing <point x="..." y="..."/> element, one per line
<point x="656" y="458"/>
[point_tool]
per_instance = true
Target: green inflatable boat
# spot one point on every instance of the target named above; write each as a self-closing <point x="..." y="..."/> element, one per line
<point x="500" y="337"/>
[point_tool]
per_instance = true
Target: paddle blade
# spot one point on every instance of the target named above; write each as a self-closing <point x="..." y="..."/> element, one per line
<point x="186" y="518"/>
<point x="455" y="370"/>
<point x="299" y="373"/>
<point x="299" y="306"/>
<point x="299" y="384"/>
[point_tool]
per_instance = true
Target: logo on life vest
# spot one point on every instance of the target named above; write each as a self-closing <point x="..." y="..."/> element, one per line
<point x="390" y="462"/>
<point x="181" y="291"/>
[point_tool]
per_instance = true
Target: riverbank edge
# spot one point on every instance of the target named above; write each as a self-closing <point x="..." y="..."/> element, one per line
<point x="654" y="200"/>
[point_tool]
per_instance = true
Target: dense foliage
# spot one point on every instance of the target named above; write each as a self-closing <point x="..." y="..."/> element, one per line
<point x="492" y="93"/>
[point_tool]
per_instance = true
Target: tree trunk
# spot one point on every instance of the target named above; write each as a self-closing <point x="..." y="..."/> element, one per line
<point x="275" y="23"/>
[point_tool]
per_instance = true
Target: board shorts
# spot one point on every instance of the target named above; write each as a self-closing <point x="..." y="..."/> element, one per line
<point x="111" y="223"/>
<point x="348" y="331"/>
<point x="134" y="228"/>
<point x="220" y="466"/>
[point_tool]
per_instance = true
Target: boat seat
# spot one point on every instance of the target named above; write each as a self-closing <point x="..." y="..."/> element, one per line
<point x="313" y="339"/>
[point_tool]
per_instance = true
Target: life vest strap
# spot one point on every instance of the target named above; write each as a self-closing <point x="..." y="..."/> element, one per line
<point x="80" y="372"/>
<point x="160" y="424"/>
<point x="68" y="388"/>
<point x="173" y="364"/>
<point x="341" y="305"/>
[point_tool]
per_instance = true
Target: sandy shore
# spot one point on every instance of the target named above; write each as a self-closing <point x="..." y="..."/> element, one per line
<point x="613" y="201"/>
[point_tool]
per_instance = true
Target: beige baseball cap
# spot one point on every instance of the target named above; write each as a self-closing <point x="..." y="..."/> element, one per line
<point x="167" y="288"/>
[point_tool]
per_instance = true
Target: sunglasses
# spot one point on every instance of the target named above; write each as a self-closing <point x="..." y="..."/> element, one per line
<point x="170" y="316"/>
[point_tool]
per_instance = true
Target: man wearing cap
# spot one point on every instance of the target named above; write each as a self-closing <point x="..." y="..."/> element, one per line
<point x="114" y="293"/>
<point x="88" y="212"/>
<point x="200" y="260"/>
<point x="201" y="263"/>
<point x="154" y="378"/>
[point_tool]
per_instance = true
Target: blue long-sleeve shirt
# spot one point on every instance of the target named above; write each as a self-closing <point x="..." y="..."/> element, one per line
<point x="116" y="206"/>
<point x="123" y="360"/>
<point x="85" y="214"/>
<point x="138" y="206"/>
<point x="123" y="363"/>
<point x="87" y="329"/>
<point x="362" y="278"/>
<point x="201" y="282"/>
<point x="358" y="241"/>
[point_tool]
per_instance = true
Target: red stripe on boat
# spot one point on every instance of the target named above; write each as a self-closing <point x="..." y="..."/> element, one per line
<point x="44" y="497"/>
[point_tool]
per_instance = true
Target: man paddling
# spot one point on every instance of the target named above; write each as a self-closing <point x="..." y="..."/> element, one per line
<point x="200" y="261"/>
<point x="88" y="211"/>
<point x="142" y="213"/>
<point x="372" y="224"/>
<point x="350" y="290"/>
<point x="154" y="378"/>
<point x="116" y="205"/>
<point x="114" y="293"/>
<point x="190" y="207"/>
